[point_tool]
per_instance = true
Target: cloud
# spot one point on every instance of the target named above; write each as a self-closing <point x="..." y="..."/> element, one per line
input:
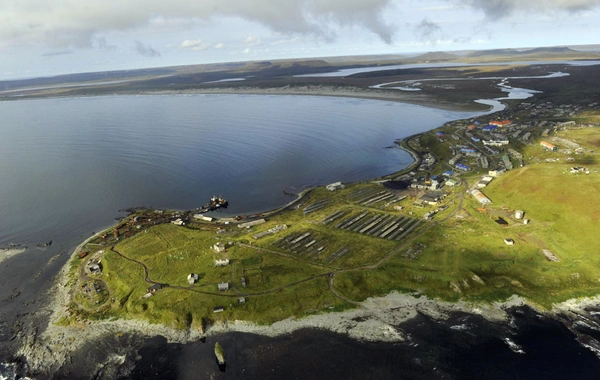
<point x="428" y="31"/>
<point x="191" y="43"/>
<point x="38" y="20"/>
<point x="252" y="41"/>
<point x="220" y="45"/>
<point x="145" y="50"/>
<point x="494" y="9"/>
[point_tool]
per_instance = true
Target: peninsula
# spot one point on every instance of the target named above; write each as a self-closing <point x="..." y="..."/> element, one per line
<point x="495" y="211"/>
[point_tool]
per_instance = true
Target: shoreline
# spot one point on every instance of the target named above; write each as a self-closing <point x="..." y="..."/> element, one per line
<point x="375" y="319"/>
<point x="306" y="90"/>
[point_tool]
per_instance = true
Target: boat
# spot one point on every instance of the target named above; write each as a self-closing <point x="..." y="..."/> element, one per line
<point x="215" y="203"/>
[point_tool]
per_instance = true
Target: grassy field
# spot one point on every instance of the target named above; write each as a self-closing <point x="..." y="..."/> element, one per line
<point x="460" y="254"/>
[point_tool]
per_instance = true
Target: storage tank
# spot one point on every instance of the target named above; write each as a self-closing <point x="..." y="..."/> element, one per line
<point x="519" y="214"/>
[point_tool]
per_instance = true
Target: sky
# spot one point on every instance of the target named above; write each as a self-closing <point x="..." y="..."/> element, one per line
<point x="52" y="37"/>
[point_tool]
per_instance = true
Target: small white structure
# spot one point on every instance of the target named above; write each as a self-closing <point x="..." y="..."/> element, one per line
<point x="218" y="247"/>
<point x="221" y="262"/>
<point x="203" y="218"/>
<point x="334" y="186"/>
<point x="519" y="214"/>
<point x="192" y="278"/>
<point x="252" y="223"/>
<point x="509" y="242"/>
<point x="223" y="286"/>
<point x="178" y="222"/>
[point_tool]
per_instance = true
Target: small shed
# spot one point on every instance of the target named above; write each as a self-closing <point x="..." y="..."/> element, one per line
<point x="192" y="278"/>
<point x="241" y="300"/>
<point x="223" y="286"/>
<point x="218" y="309"/>
<point x="509" y="242"/>
<point x="219" y="247"/>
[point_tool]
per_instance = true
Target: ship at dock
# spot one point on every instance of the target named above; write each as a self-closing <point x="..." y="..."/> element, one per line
<point x="215" y="203"/>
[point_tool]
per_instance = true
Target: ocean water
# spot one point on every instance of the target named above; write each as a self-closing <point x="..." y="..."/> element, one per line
<point x="67" y="166"/>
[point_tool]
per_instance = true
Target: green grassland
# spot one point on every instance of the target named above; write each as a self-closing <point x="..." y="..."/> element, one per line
<point x="460" y="254"/>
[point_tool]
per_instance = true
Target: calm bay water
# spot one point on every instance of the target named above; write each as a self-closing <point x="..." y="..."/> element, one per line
<point x="68" y="165"/>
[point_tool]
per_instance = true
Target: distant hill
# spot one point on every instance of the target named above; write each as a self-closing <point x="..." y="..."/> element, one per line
<point x="435" y="56"/>
<point x="535" y="51"/>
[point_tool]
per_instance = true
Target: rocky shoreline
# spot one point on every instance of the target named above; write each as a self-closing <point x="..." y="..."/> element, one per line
<point x="375" y="320"/>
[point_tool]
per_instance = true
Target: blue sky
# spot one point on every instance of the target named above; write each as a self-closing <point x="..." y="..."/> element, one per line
<point x="50" y="37"/>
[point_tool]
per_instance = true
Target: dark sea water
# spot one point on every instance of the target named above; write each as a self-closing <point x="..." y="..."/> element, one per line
<point x="68" y="165"/>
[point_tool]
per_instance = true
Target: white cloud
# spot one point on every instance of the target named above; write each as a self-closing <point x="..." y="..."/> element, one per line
<point x="219" y="45"/>
<point x="252" y="41"/>
<point x="191" y="43"/>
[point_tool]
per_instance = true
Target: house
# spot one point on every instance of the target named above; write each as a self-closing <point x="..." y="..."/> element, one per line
<point x="218" y="247"/>
<point x="221" y="262"/>
<point x="223" y="286"/>
<point x="241" y="300"/>
<point x="218" y="309"/>
<point x="451" y="182"/>
<point x="462" y="167"/>
<point x="509" y="241"/>
<point x="547" y="145"/>
<point x="481" y="198"/>
<point x="178" y="222"/>
<point x="192" y="278"/>
<point x="244" y="282"/>
<point x="203" y="218"/>
<point x="497" y="123"/>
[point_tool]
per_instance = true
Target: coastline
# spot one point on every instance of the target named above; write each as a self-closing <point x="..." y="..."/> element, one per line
<point x="306" y="90"/>
<point x="374" y="320"/>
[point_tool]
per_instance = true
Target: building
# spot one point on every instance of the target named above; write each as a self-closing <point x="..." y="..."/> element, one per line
<point x="462" y="167"/>
<point x="223" y="286"/>
<point x="515" y="154"/>
<point x="221" y="262"/>
<point x="481" y="198"/>
<point x="203" y="218"/>
<point x="566" y="124"/>
<point x="509" y="241"/>
<point x="451" y="182"/>
<point x="218" y="309"/>
<point x="241" y="300"/>
<point x="251" y="223"/>
<point x="498" y="123"/>
<point x="192" y="278"/>
<point x="547" y="145"/>
<point x="178" y="222"/>
<point x="484" y="181"/>
<point x="489" y="128"/>
<point x="218" y="247"/>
